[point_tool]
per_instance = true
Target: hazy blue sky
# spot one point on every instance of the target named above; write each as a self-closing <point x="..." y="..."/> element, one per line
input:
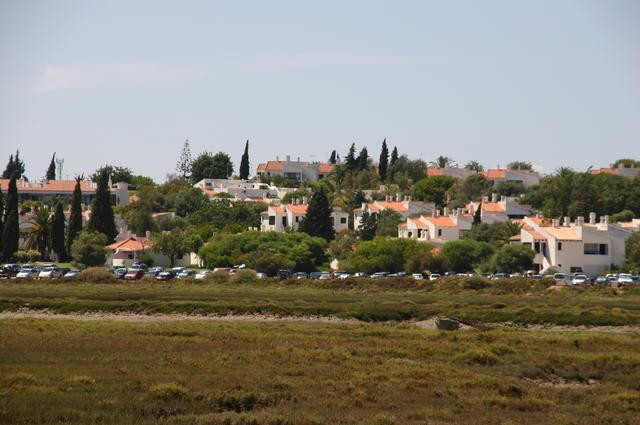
<point x="126" y="82"/>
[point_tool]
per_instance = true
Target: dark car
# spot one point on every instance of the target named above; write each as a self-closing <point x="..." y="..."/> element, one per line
<point x="120" y="272"/>
<point x="155" y="271"/>
<point x="166" y="275"/>
<point x="285" y="273"/>
<point x="9" y="270"/>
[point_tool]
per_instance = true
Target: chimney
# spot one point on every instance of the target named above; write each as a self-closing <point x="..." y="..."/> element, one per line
<point x="485" y="199"/>
<point x="397" y="197"/>
<point x="288" y="158"/>
<point x="567" y="221"/>
<point x="445" y="211"/>
<point x="555" y="222"/>
<point x="298" y="159"/>
<point x="305" y="199"/>
<point x="459" y="211"/>
<point x="494" y="197"/>
<point x="147" y="234"/>
<point x="363" y="205"/>
<point x="579" y="220"/>
<point x="592" y="218"/>
<point x="437" y="212"/>
<point x="605" y="219"/>
<point x="277" y="158"/>
<point x="409" y="198"/>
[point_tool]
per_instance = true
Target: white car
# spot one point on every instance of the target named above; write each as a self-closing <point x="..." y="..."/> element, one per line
<point x="625" y="279"/>
<point x="202" y="275"/>
<point x="417" y="276"/>
<point x="579" y="279"/>
<point x="561" y="278"/>
<point x="434" y="276"/>
<point x="28" y="271"/>
<point x="51" y="272"/>
<point x="325" y="276"/>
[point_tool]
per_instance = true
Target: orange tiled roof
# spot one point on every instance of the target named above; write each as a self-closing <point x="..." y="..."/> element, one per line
<point x="131" y="244"/>
<point x="278" y="210"/>
<point x="492" y="207"/>
<point x="440" y="221"/>
<point x="496" y="173"/>
<point x="325" y="168"/>
<point x="402" y="225"/>
<point x="271" y="166"/>
<point x="395" y="206"/>
<point x="297" y="209"/>
<point x="49" y="186"/>
<point x="536" y="235"/>
<point x="563" y="233"/>
<point x="613" y="171"/>
<point x="435" y="171"/>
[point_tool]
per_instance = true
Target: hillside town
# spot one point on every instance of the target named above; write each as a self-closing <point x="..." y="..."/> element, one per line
<point x="456" y="219"/>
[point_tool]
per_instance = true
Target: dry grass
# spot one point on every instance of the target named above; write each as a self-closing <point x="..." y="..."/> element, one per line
<point x="55" y="372"/>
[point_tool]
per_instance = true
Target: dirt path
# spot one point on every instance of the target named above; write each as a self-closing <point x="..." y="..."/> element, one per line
<point x="156" y="318"/>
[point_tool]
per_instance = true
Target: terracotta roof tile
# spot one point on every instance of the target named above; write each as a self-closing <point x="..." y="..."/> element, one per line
<point x="496" y="173"/>
<point x="492" y="207"/>
<point x="435" y="171"/>
<point x="440" y="221"/>
<point x="49" y="186"/>
<point x="325" y="168"/>
<point x="131" y="244"/>
<point x="297" y="209"/>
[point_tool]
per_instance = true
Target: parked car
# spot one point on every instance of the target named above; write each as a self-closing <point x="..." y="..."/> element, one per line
<point x="434" y="276"/>
<point x="417" y="276"/>
<point x="28" y="270"/>
<point x="134" y="273"/>
<point x="360" y="274"/>
<point x="580" y="279"/>
<point x="536" y="276"/>
<point x="497" y="276"/>
<point x="285" y="273"/>
<point x="345" y="275"/>
<point x="300" y="275"/>
<point x="120" y="272"/>
<point x="185" y="273"/>
<point x="72" y="273"/>
<point x="601" y="280"/>
<point x="325" y="276"/>
<point x="166" y="275"/>
<point x="315" y="275"/>
<point x="9" y="270"/>
<point x="261" y="275"/>
<point x="202" y="275"/>
<point x="561" y="278"/>
<point x="49" y="272"/>
<point x="379" y="275"/>
<point x="155" y="271"/>
<point x="625" y="279"/>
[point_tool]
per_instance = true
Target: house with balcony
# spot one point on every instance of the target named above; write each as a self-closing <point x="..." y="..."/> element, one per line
<point x="437" y="228"/>
<point x="501" y="208"/>
<point x="499" y="175"/>
<point x="401" y="205"/>
<point x="570" y="247"/>
<point x="295" y="170"/>
<point x="241" y="190"/>
<point x="279" y="218"/>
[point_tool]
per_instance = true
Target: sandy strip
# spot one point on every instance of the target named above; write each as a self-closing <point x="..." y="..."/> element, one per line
<point x="266" y="318"/>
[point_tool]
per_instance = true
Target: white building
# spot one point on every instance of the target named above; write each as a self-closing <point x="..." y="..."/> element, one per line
<point x="620" y="170"/>
<point x="526" y="177"/>
<point x="591" y="247"/>
<point x="501" y="208"/>
<point x="242" y="190"/>
<point x="459" y="173"/>
<point x="294" y="170"/>
<point x="123" y="253"/>
<point x="287" y="217"/>
<point x="437" y="228"/>
<point x="403" y="206"/>
<point x="49" y="189"/>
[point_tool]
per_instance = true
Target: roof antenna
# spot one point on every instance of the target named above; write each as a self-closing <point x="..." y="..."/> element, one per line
<point x="60" y="164"/>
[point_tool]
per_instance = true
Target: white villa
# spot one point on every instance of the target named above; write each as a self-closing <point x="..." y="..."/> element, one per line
<point x="294" y="170"/>
<point x="570" y="247"/>
<point x="49" y="189"/>
<point x="403" y="206"/>
<point x="242" y="190"/>
<point x="437" y="228"/>
<point x="526" y="177"/>
<point x="287" y="217"/>
<point x="501" y="208"/>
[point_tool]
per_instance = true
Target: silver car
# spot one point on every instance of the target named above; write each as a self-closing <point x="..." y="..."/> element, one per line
<point x="28" y="270"/>
<point x="51" y="272"/>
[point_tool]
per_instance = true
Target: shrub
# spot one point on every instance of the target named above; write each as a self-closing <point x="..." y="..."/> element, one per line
<point x="89" y="249"/>
<point x="245" y="276"/>
<point x="168" y="392"/>
<point x="480" y="357"/>
<point x="95" y="275"/>
<point x="220" y="276"/>
<point x="475" y="282"/>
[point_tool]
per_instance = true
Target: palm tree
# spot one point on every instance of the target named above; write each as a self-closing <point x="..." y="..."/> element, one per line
<point x="38" y="235"/>
<point x="510" y="228"/>
<point x="474" y="166"/>
<point x="443" y="162"/>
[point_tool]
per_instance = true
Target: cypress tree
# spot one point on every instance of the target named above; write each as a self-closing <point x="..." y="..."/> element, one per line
<point x="19" y="165"/>
<point x="332" y="158"/>
<point x="363" y="159"/>
<point x="1" y="219"/>
<point x="51" y="171"/>
<point x="9" y="169"/>
<point x="244" y="163"/>
<point x="368" y="227"/>
<point x="318" y="220"/>
<point x="75" y="219"/>
<point x="351" y="161"/>
<point x="394" y="156"/>
<point x="477" y="216"/>
<point x="384" y="161"/>
<point x="102" y="220"/>
<point x="57" y="233"/>
<point x="11" y="231"/>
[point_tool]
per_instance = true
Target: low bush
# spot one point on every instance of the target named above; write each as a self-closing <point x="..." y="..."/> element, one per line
<point x="168" y="392"/>
<point x="94" y="275"/>
<point x="479" y="357"/>
<point x="245" y="276"/>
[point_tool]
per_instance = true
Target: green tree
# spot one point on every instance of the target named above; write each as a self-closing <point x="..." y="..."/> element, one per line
<point x="477" y="216"/>
<point x="465" y="255"/>
<point x="9" y="169"/>
<point x="383" y="163"/>
<point x="51" y="171"/>
<point x="115" y="173"/>
<point x="172" y="244"/>
<point x="11" y="231"/>
<point x="332" y="158"/>
<point x="443" y="162"/>
<point x="387" y="223"/>
<point x="102" y="219"/>
<point x="394" y="156"/>
<point x="404" y="171"/>
<point x="14" y="166"/>
<point x="244" y="163"/>
<point x="318" y="221"/>
<point x="75" y="218"/>
<point x="209" y="166"/>
<point x="1" y="221"/>
<point x="58" y="244"/>
<point x="183" y="167"/>
<point x="626" y="163"/>
<point x="351" y="161"/>
<point x="513" y="258"/>
<point x="383" y="254"/>
<point x="368" y="227"/>
<point x="139" y="181"/>
<point x="295" y="194"/>
<point x="474" y="166"/>
<point x="89" y="249"/>
<point x="472" y="188"/>
<point x="519" y="165"/>
<point x="622" y="216"/>
<point x="632" y="253"/>
<point x="363" y="159"/>
<point x="433" y="189"/>
<point x="38" y="234"/>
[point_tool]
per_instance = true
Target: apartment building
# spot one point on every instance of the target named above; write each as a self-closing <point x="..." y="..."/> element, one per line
<point x="500" y="175"/>
<point x="459" y="173"/>
<point x="569" y="247"/>
<point x="402" y="205"/>
<point x="437" y="228"/>
<point x="620" y="170"/>
<point x="242" y="190"/>
<point x="279" y="218"/>
<point x="294" y="170"/>
<point x="45" y="190"/>
<point x="501" y="208"/>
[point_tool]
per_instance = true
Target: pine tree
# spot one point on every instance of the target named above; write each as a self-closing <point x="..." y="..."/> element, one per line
<point x="11" y="231"/>
<point x="363" y="159"/>
<point x="244" y="163"/>
<point x="384" y="161"/>
<point x="19" y="165"/>
<point x="477" y="216"/>
<point x="102" y="220"/>
<point x="75" y="218"/>
<point x="318" y="220"/>
<point x="9" y="169"/>
<point x="332" y="158"/>
<point x="368" y="227"/>
<point x="351" y="161"/>
<point x="394" y="156"/>
<point x="57" y="233"/>
<point x="51" y="171"/>
<point x="183" y="167"/>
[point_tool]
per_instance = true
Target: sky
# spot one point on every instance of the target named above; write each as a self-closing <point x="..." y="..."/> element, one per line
<point x="553" y="82"/>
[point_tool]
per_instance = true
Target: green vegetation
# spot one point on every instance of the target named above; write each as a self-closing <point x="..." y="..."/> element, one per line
<point x="89" y="249"/>
<point x="102" y="218"/>
<point x="310" y="373"/>
<point x="472" y="299"/>
<point x="210" y="166"/>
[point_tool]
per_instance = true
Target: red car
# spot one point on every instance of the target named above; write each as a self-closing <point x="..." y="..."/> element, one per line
<point x="134" y="273"/>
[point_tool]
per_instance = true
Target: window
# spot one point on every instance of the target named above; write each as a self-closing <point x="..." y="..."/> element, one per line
<point x="343" y="220"/>
<point x="439" y="232"/>
<point x="284" y="221"/>
<point x="297" y="219"/>
<point x="591" y="249"/>
<point x="272" y="220"/>
<point x="559" y="246"/>
<point x="604" y="249"/>
<point x="536" y="247"/>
